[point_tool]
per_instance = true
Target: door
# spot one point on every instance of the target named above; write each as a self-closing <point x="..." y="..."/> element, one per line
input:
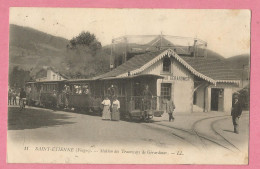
<point x="214" y="99"/>
<point x="165" y="94"/>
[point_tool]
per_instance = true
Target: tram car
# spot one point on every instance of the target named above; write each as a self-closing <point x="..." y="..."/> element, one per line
<point x="82" y="96"/>
<point x="45" y="93"/>
<point x="63" y="94"/>
<point x="137" y="95"/>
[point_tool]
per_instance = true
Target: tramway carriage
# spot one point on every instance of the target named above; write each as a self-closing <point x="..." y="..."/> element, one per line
<point x="82" y="96"/>
<point x="137" y="95"/>
<point x="137" y="101"/>
<point x="45" y="93"/>
<point x="64" y="94"/>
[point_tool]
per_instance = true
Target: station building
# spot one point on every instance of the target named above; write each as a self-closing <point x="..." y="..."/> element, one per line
<point x="200" y="84"/>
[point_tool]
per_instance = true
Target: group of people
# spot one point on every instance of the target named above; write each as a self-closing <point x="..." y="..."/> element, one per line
<point x="13" y="96"/>
<point x="78" y="89"/>
<point x="111" y="109"/>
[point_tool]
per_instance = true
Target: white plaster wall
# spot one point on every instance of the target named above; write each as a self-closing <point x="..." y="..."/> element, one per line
<point x="50" y="76"/>
<point x="182" y="91"/>
<point x="227" y="100"/>
<point x="154" y="69"/>
<point x="200" y="97"/>
<point x="208" y="100"/>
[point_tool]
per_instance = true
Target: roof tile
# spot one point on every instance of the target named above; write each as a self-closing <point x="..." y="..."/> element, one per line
<point x="212" y="67"/>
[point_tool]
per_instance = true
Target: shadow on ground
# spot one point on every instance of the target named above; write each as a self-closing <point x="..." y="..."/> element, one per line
<point x="33" y="118"/>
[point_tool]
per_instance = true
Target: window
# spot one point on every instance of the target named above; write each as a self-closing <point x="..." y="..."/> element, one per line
<point x="121" y="89"/>
<point x="166" y="64"/>
<point x="166" y="90"/>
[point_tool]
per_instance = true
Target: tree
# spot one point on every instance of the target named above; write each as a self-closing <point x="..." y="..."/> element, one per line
<point x="84" y="56"/>
<point x="86" y="39"/>
<point x="18" y="77"/>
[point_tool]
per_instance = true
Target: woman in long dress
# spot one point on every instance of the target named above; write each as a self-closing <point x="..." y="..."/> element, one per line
<point x="115" y="109"/>
<point x="106" y="115"/>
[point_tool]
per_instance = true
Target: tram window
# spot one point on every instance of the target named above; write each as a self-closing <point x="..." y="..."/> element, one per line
<point x="166" y="64"/>
<point x="85" y="89"/>
<point x="77" y="89"/>
<point x="166" y="90"/>
<point x="121" y="89"/>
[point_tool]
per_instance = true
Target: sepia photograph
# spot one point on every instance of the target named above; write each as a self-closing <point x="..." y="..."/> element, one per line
<point x="128" y="86"/>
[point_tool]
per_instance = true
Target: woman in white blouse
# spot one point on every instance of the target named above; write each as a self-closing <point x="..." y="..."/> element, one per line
<point x="115" y="115"/>
<point x="106" y="115"/>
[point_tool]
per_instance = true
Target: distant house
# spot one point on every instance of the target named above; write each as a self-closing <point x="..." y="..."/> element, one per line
<point x="49" y="73"/>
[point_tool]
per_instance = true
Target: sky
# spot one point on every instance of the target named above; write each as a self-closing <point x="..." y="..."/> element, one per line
<point x="226" y="32"/>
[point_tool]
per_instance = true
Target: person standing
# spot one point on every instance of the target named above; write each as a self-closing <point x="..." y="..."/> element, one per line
<point x="112" y="91"/>
<point x="236" y="113"/>
<point x="170" y="108"/>
<point x="106" y="115"/>
<point x="14" y="97"/>
<point x="115" y="114"/>
<point x="22" y="98"/>
<point x="10" y="93"/>
<point x="147" y="96"/>
<point x="66" y="96"/>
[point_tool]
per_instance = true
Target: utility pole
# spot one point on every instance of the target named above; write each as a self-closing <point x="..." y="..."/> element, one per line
<point x="125" y="58"/>
<point x="111" y="55"/>
<point x="161" y="40"/>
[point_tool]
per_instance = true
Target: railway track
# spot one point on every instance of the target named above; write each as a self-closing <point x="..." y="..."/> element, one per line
<point x="220" y="135"/>
<point x="197" y="138"/>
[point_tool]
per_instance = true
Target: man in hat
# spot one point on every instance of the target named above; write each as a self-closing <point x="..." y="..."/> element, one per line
<point x="170" y="108"/>
<point x="236" y="113"/>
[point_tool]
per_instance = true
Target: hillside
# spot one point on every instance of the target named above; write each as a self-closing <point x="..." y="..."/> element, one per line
<point x="240" y="64"/>
<point x="30" y="49"/>
<point x="239" y="61"/>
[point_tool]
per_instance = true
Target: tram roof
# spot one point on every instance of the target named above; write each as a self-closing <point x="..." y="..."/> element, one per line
<point x="47" y="81"/>
<point x="134" y="76"/>
<point x="79" y="80"/>
<point x="111" y="78"/>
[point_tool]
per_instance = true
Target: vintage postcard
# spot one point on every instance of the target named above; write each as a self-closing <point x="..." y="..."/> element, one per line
<point x="128" y="86"/>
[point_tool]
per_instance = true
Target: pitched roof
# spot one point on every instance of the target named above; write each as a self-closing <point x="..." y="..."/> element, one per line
<point x="215" y="68"/>
<point x="210" y="68"/>
<point x="56" y="71"/>
<point x="130" y="65"/>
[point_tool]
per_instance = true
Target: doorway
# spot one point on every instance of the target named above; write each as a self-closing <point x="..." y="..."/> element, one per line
<point x="217" y="99"/>
<point x="166" y="90"/>
<point x="214" y="99"/>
